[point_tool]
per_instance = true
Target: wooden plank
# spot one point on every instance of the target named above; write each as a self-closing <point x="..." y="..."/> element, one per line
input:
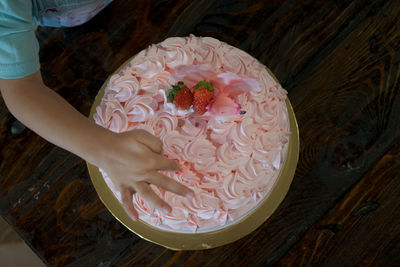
<point x="363" y="229"/>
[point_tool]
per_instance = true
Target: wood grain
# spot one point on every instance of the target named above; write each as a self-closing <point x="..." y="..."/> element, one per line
<point x="363" y="229"/>
<point x="339" y="60"/>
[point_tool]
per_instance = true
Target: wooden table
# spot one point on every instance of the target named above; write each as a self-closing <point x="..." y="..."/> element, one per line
<point x="339" y="61"/>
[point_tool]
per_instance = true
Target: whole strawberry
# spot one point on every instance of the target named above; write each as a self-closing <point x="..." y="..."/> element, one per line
<point x="180" y="96"/>
<point x="203" y="94"/>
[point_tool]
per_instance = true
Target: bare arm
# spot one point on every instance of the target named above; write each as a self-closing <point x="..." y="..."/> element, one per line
<point x="131" y="159"/>
<point x="49" y="115"/>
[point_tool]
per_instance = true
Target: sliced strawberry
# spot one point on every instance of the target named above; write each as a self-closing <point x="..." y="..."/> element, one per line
<point x="180" y="96"/>
<point x="203" y="94"/>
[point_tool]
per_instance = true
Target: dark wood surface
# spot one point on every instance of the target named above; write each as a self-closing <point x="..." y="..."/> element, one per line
<point x="339" y="61"/>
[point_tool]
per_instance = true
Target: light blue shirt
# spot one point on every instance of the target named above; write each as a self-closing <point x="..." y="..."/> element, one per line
<point x="19" y="48"/>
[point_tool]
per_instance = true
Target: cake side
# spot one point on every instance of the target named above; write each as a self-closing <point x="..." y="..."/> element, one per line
<point x="231" y="161"/>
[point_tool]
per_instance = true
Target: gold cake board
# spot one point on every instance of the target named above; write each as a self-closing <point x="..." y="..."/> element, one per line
<point x="197" y="241"/>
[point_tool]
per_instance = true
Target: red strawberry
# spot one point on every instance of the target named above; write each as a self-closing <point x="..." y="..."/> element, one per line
<point x="203" y="94"/>
<point x="180" y="96"/>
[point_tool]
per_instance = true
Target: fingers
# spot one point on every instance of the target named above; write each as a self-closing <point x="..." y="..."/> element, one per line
<point x="149" y="140"/>
<point x="155" y="144"/>
<point x="126" y="195"/>
<point x="151" y="197"/>
<point x="163" y="163"/>
<point x="169" y="184"/>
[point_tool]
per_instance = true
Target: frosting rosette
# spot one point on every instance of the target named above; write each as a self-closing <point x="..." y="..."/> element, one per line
<point x="201" y="153"/>
<point x="231" y="156"/>
<point x="124" y="86"/>
<point x="176" y="52"/>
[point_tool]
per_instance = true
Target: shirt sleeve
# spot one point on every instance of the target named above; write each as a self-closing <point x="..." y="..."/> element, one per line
<point x="19" y="47"/>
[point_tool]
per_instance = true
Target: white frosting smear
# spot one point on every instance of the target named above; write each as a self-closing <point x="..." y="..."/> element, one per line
<point x="231" y="156"/>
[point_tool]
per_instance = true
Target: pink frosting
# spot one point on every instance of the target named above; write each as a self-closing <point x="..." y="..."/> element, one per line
<point x="231" y="156"/>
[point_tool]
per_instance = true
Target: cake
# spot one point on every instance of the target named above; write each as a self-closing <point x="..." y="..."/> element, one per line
<point x="230" y="156"/>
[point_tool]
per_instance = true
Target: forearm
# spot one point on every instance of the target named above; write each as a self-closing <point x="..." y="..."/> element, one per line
<point x="131" y="159"/>
<point x="49" y="115"/>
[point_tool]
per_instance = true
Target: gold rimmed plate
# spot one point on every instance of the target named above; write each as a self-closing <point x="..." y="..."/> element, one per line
<point x="205" y="240"/>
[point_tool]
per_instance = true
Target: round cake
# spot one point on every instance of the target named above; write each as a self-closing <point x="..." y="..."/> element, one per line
<point x="231" y="153"/>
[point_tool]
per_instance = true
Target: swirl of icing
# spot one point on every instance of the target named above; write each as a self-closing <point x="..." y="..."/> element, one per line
<point x="228" y="156"/>
<point x="201" y="152"/>
<point x="174" y="145"/>
<point x="265" y="78"/>
<point x="210" y="181"/>
<point x="119" y="122"/>
<point x="140" y="108"/>
<point x="160" y="96"/>
<point x="220" y="130"/>
<point x="249" y="129"/>
<point x="177" y="56"/>
<point x="176" y="52"/>
<point x="230" y="196"/>
<point x="102" y="116"/>
<point x="252" y="174"/>
<point x="269" y="147"/>
<point x="279" y="92"/>
<point x="179" y="218"/>
<point x="174" y="42"/>
<point x="204" y="204"/>
<point x="111" y="114"/>
<point x="164" y="123"/>
<point x="146" y="66"/>
<point x="205" y="53"/>
<point x="234" y="60"/>
<point x="124" y="86"/>
<point x="244" y="134"/>
<point x="161" y="80"/>
<point x="220" y="217"/>
<point x="260" y="96"/>
<point x="271" y="141"/>
<point x="254" y="69"/>
<point x="141" y="206"/>
<point x="190" y="129"/>
<point x="186" y="176"/>
<point x="176" y="220"/>
<point x="266" y="82"/>
<point x="145" y="211"/>
<point x="268" y="115"/>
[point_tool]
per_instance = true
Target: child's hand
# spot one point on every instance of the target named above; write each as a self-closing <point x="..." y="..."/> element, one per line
<point x="132" y="160"/>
